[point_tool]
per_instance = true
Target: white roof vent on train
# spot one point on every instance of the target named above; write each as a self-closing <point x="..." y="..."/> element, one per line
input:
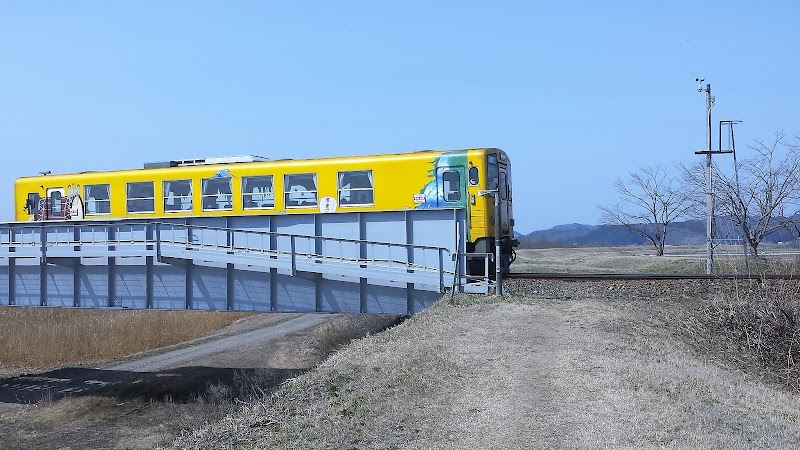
<point x="203" y="161"/>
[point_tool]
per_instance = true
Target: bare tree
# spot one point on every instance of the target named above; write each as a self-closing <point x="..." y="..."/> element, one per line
<point x="767" y="189"/>
<point x="651" y="200"/>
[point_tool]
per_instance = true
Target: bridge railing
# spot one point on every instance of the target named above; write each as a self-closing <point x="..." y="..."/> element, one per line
<point x="410" y="263"/>
<point x="354" y="254"/>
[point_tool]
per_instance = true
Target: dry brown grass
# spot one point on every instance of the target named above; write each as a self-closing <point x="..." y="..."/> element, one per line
<point x="119" y="417"/>
<point x="524" y="372"/>
<point x="641" y="259"/>
<point x="632" y="259"/>
<point x="93" y="422"/>
<point x="47" y="337"/>
<point x="572" y="365"/>
<point x="760" y="320"/>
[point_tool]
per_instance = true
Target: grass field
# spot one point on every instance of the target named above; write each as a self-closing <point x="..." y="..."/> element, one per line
<point x="35" y="338"/>
<point x="641" y="259"/>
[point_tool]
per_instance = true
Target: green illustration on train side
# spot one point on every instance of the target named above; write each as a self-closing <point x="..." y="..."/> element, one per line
<point x="446" y="196"/>
<point x="434" y="197"/>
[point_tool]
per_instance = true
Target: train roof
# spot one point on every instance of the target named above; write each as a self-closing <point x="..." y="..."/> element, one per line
<point x="246" y="159"/>
<point x="204" y="161"/>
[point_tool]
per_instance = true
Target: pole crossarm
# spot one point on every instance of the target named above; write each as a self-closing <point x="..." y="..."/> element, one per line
<point x="713" y="152"/>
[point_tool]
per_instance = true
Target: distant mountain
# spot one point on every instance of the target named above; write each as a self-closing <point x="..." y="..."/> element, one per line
<point x="565" y="234"/>
<point x="577" y="234"/>
<point x="690" y="232"/>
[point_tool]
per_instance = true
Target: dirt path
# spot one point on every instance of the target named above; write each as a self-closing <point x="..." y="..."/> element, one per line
<point x="599" y="374"/>
<point x="146" y="401"/>
<point x="523" y="395"/>
<point x="241" y="350"/>
<point x="226" y="352"/>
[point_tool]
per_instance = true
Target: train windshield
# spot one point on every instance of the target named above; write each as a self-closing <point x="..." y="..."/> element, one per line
<point x="492" y="172"/>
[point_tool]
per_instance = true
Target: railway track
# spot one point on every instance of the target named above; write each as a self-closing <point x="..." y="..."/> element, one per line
<point x="647" y="276"/>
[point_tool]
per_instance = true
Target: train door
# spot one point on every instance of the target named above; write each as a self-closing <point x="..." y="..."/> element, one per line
<point x="54" y="204"/>
<point x="451" y="187"/>
<point x="493" y="182"/>
<point x="506" y="214"/>
<point x="504" y="200"/>
<point x="499" y="172"/>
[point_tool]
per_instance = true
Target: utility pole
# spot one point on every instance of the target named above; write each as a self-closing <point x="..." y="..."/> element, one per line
<point x="732" y="148"/>
<point x="709" y="174"/>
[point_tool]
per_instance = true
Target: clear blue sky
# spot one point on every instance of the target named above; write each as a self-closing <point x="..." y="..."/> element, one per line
<point x="577" y="92"/>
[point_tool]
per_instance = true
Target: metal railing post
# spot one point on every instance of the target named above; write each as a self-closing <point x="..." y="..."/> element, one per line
<point x="293" y="248"/>
<point x="441" y="270"/>
<point x="486" y="267"/>
<point x="157" y="237"/>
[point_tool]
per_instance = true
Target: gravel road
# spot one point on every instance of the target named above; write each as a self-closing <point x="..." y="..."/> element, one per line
<point x="217" y="352"/>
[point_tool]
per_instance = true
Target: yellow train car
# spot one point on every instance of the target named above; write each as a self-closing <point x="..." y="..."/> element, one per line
<point x="257" y="186"/>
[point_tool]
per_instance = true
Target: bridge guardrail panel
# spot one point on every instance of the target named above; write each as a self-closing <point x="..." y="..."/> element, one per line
<point x="343" y="258"/>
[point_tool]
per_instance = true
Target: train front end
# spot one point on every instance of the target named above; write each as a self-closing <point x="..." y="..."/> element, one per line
<point x="491" y="210"/>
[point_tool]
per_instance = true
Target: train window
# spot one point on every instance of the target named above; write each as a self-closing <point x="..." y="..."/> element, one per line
<point x="451" y="181"/>
<point x="217" y="193"/>
<point x="258" y="192"/>
<point x="356" y="188"/>
<point x="300" y="190"/>
<point x="473" y="176"/>
<point x="141" y="197"/>
<point x="491" y="171"/>
<point x="177" y="195"/>
<point x="97" y="198"/>
<point x="55" y="203"/>
<point x="503" y="186"/>
<point x="32" y="204"/>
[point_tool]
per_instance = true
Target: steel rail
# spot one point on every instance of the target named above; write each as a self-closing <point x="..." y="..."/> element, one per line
<point x="647" y="276"/>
